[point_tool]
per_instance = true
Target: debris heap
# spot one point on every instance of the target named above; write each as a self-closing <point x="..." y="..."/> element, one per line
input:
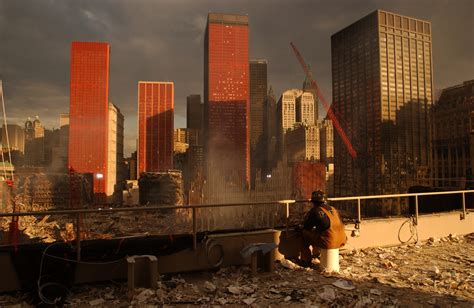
<point x="161" y="188"/>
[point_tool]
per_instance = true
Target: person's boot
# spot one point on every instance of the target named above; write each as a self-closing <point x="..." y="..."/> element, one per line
<point x="303" y="263"/>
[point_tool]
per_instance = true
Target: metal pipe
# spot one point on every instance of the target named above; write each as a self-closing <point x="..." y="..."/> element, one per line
<point x="416" y="210"/>
<point x="194" y="230"/>
<point x="78" y="236"/>
<point x="463" y="216"/>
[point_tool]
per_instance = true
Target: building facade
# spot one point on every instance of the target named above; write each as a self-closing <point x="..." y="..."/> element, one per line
<point x="258" y="95"/>
<point x="181" y="140"/>
<point x="34" y="143"/>
<point x="155" y="126"/>
<point x="308" y="87"/>
<point x="453" y="136"/>
<point x="303" y="143"/>
<point x="305" y="109"/>
<point x="327" y="141"/>
<point x="16" y="138"/>
<point x="382" y="93"/>
<point x="115" y="163"/>
<point x="89" y="111"/>
<point x="286" y="111"/>
<point x="226" y="98"/>
<point x="60" y="150"/>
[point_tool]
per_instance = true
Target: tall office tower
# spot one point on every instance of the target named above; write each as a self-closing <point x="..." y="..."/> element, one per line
<point x="285" y="117"/>
<point x="453" y="138"/>
<point x="286" y="110"/>
<point x="305" y="108"/>
<point x="89" y="111"/>
<point x="308" y="87"/>
<point x="226" y="97"/>
<point x="115" y="164"/>
<point x="382" y="93"/>
<point x="194" y="117"/>
<point x="155" y="126"/>
<point x="258" y="95"/>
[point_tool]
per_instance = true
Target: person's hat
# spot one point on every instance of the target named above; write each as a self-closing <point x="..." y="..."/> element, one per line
<point x="318" y="196"/>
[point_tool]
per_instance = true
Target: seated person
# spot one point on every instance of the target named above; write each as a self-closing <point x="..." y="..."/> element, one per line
<point x="322" y="228"/>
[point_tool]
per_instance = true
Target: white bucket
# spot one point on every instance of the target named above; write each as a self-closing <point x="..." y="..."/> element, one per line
<point x="330" y="260"/>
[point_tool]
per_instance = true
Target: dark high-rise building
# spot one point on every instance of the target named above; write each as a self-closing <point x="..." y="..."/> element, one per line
<point x="155" y="126"/>
<point x="226" y="97"/>
<point x="270" y="131"/>
<point x="258" y="95"/>
<point x="453" y="136"/>
<point x="194" y="118"/>
<point x="89" y="111"/>
<point x="194" y="109"/>
<point x="382" y="93"/>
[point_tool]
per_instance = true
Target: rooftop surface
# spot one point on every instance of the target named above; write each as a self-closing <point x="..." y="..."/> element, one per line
<point x="437" y="273"/>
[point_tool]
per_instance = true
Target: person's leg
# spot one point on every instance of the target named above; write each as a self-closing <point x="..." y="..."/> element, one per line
<point x="309" y="238"/>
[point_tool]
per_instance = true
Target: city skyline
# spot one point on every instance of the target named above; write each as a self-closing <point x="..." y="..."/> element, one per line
<point x="39" y="75"/>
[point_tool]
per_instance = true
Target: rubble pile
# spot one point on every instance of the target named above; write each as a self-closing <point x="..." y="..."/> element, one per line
<point x="440" y="266"/>
<point x="437" y="273"/>
<point x="161" y="188"/>
<point x="36" y="193"/>
<point x="108" y="225"/>
<point x="39" y="228"/>
<point x="45" y="191"/>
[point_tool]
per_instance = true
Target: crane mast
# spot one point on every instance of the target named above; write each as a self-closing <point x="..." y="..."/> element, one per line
<point x="328" y="108"/>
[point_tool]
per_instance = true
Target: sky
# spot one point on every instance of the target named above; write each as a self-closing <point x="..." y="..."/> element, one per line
<point x="163" y="40"/>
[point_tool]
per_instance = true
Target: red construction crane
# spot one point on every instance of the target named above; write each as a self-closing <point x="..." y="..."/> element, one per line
<point x="328" y="108"/>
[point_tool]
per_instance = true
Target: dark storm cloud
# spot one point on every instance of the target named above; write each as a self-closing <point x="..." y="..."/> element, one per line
<point x="163" y="40"/>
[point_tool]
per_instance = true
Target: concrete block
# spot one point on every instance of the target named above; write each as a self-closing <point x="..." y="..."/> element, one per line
<point x="142" y="272"/>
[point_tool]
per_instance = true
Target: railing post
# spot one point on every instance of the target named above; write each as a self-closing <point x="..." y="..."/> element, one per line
<point x="78" y="236"/>
<point x="463" y="216"/>
<point x="359" y="216"/>
<point x="416" y="210"/>
<point x="194" y="230"/>
<point x="287" y="214"/>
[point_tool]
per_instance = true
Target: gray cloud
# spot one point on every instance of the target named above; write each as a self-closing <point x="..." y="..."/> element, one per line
<point x="163" y="40"/>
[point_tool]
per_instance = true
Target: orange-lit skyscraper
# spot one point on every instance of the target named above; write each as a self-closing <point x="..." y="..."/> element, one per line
<point x="226" y="96"/>
<point x="89" y="105"/>
<point x="155" y="126"/>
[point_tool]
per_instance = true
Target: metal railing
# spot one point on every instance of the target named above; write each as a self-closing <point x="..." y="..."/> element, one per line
<point x="78" y="212"/>
<point x="416" y="195"/>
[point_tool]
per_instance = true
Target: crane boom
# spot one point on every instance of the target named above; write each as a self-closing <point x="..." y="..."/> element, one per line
<point x="328" y="108"/>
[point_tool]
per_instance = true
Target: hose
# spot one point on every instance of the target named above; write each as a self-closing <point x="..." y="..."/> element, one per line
<point x="210" y="244"/>
<point x="60" y="289"/>
<point x="56" y="285"/>
<point x="413" y="230"/>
